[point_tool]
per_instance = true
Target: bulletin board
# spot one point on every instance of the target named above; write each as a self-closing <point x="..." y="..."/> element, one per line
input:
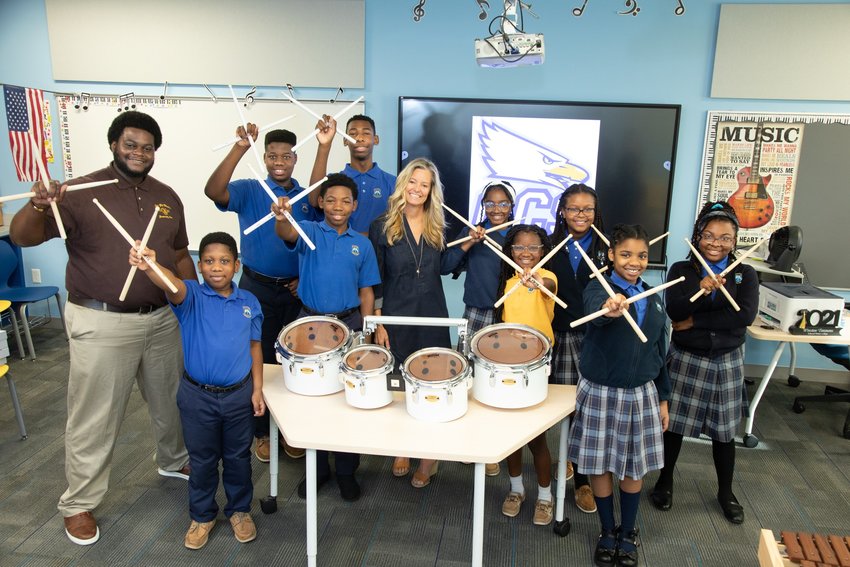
<point x="190" y="128"/>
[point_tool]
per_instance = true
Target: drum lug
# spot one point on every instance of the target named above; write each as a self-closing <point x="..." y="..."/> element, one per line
<point x="524" y="379"/>
<point x="449" y="396"/>
<point x="321" y="369"/>
<point x="291" y="366"/>
<point x="415" y="394"/>
<point x="362" y="387"/>
<point x="492" y="379"/>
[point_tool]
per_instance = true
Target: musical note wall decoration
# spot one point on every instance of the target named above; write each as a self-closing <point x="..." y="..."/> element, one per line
<point x="577" y="12"/>
<point x="631" y="8"/>
<point x="419" y="11"/>
<point x="680" y="9"/>
<point x="249" y="96"/>
<point x="483" y="5"/>
<point x="165" y="90"/>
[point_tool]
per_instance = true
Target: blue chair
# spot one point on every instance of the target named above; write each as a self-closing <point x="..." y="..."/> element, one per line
<point x="22" y="296"/>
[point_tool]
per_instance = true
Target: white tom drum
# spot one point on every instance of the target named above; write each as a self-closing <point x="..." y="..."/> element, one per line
<point x="511" y="366"/>
<point x="310" y="350"/>
<point x="364" y="371"/>
<point x="437" y="384"/>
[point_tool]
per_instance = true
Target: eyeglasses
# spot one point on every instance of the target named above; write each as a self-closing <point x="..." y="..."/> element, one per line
<point x="576" y="211"/>
<point x="519" y="248"/>
<point x="504" y="205"/>
<point x="709" y="238"/>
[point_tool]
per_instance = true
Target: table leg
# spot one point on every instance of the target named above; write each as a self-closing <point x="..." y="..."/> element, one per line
<point x="562" y="523"/>
<point x="760" y="391"/>
<point x="478" y="517"/>
<point x="312" y="515"/>
<point x="274" y="450"/>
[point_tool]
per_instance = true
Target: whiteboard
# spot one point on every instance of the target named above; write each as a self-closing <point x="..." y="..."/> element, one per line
<point x="190" y="127"/>
<point x="307" y="43"/>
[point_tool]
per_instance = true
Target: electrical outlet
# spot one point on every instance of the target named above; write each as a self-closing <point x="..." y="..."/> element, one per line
<point x="36" y="275"/>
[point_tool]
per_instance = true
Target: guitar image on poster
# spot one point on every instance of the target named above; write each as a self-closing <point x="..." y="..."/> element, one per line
<point x="752" y="203"/>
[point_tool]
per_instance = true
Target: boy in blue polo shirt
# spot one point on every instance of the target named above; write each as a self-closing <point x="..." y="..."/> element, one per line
<point x="221" y="389"/>
<point x="374" y="184"/>
<point x="335" y="279"/>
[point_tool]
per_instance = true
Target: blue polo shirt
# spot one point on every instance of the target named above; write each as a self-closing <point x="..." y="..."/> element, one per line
<point x="217" y="332"/>
<point x="376" y="186"/>
<point x="572" y="249"/>
<point x="632" y="290"/>
<point x="331" y="275"/>
<point x="262" y="250"/>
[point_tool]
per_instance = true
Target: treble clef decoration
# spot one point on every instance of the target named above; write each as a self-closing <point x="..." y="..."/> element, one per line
<point x="419" y="11"/>
<point x="484" y="5"/>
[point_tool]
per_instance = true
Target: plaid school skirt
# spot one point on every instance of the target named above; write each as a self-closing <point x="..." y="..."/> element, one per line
<point x="616" y="430"/>
<point x="708" y="393"/>
<point x="477" y="319"/>
<point x="565" y="353"/>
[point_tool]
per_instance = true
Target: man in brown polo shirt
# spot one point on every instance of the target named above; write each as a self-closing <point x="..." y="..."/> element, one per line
<point x="114" y="344"/>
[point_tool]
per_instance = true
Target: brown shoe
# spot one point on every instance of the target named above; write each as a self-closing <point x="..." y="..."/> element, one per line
<point x="511" y="505"/>
<point x="492" y="469"/>
<point x="584" y="499"/>
<point x="262" y="449"/>
<point x="198" y="534"/>
<point x="243" y="527"/>
<point x="570" y="472"/>
<point x="82" y="528"/>
<point x="543" y="513"/>
<point x="291" y="452"/>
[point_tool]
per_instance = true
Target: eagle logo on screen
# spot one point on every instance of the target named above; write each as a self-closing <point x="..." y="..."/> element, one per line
<point x="539" y="173"/>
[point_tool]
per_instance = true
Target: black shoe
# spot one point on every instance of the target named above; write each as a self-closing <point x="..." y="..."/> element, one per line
<point x="732" y="509"/>
<point x="348" y="487"/>
<point x="661" y="498"/>
<point x="320" y="482"/>
<point x="606" y="549"/>
<point x="627" y="557"/>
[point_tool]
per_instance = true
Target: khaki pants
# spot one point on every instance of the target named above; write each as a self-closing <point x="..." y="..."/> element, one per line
<point x="109" y="353"/>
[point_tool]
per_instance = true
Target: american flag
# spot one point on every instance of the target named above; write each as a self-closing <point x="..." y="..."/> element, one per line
<point x="24" y="113"/>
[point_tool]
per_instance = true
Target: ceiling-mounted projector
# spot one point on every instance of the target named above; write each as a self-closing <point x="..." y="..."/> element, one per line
<point x="510" y="50"/>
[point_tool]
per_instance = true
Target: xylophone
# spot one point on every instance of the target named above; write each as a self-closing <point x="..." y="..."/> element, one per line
<point x="804" y="549"/>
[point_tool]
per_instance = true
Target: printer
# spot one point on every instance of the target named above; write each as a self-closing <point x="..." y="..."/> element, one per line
<point x="800" y="309"/>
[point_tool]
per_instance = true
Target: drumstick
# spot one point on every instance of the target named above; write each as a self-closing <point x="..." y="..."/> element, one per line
<point x="307" y="110"/>
<point x="245" y="126"/>
<point x="288" y="216"/>
<point x="602" y="269"/>
<point x="600" y="235"/>
<point x="657" y="238"/>
<point x="132" y="242"/>
<point x="489" y="230"/>
<point x="268" y="126"/>
<point x="629" y="301"/>
<point x="270" y="216"/>
<point x="470" y="225"/>
<point x="316" y="131"/>
<point x="611" y="293"/>
<point x="731" y="266"/>
<point x="45" y="180"/>
<point x="70" y="188"/>
<point x="142" y="246"/>
<point x="705" y="265"/>
<point x="516" y="267"/>
<point x="541" y="263"/>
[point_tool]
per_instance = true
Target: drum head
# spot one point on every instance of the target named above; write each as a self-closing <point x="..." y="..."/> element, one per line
<point x="311" y="336"/>
<point x="510" y="345"/>
<point x="435" y="365"/>
<point x="364" y="359"/>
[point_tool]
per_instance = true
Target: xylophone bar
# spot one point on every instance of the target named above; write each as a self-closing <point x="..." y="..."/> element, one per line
<point x="804" y="549"/>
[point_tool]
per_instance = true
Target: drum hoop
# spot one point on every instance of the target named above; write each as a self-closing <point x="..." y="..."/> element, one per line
<point x="488" y="364"/>
<point x="473" y="344"/>
<point x="365" y="374"/>
<point x="289" y="354"/>
<point x="446" y="384"/>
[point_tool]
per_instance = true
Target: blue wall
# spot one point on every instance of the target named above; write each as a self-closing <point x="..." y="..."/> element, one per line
<point x="655" y="57"/>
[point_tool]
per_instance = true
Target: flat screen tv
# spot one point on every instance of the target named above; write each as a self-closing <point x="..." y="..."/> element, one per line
<point x="627" y="152"/>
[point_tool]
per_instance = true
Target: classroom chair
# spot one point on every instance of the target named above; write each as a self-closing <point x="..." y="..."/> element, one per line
<point x="7" y="305"/>
<point x="839" y="355"/>
<point x="22" y="296"/>
<point x="4" y="369"/>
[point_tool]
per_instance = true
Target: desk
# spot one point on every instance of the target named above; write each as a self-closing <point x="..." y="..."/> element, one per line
<point x="783" y="338"/>
<point x="314" y="423"/>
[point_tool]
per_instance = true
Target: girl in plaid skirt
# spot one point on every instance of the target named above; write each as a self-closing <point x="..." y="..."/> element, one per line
<point x="706" y="359"/>
<point x="621" y="407"/>
<point x="578" y="210"/>
<point x="482" y="265"/>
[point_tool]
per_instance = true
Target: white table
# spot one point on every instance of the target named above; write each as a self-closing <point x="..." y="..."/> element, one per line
<point x="315" y="424"/>
<point x="783" y="339"/>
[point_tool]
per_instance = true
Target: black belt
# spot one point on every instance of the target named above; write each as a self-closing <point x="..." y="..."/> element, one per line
<point x="216" y="389"/>
<point x="340" y="315"/>
<point x="101" y="306"/>
<point x="266" y="279"/>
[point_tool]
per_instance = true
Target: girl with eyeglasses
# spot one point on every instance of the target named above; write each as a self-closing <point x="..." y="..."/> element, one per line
<point x="578" y="209"/>
<point x="706" y="358"/>
<point x="482" y="265"/>
<point x="526" y="245"/>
